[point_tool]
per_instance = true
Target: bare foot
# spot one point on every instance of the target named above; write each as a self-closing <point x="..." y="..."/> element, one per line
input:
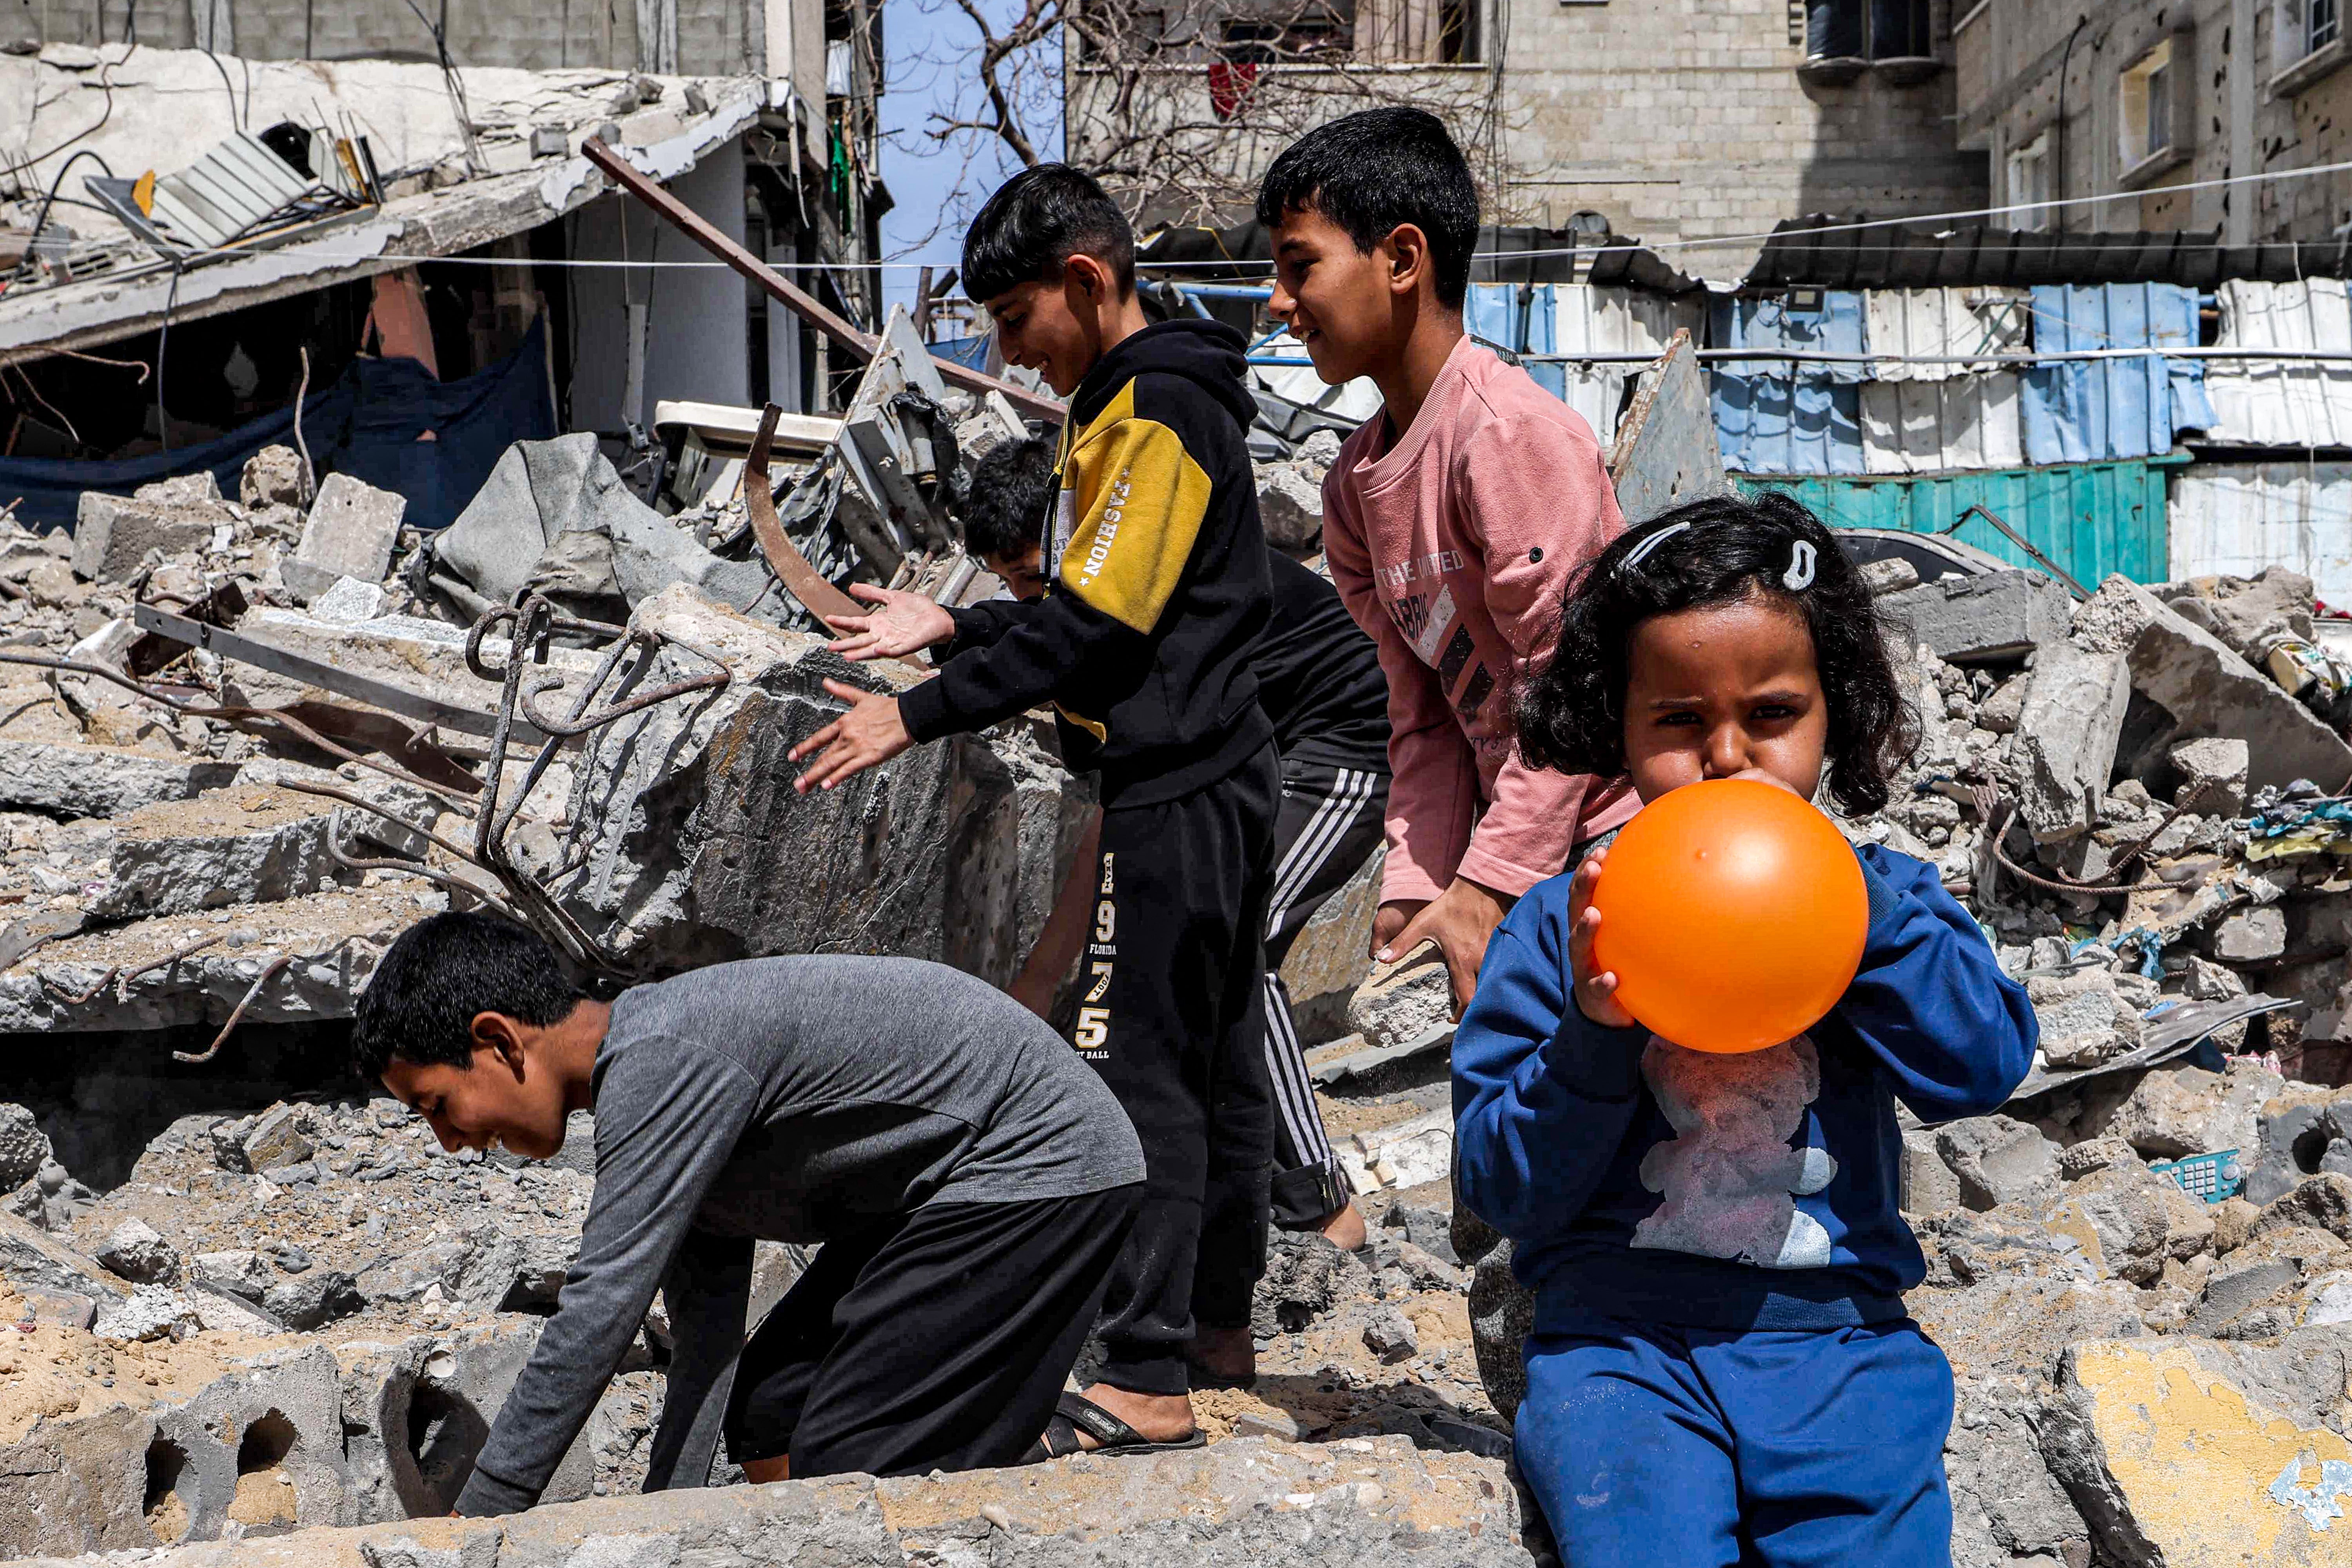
<point x="759" y="1472"/>
<point x="1228" y="1353"/>
<point x="1344" y="1227"/>
<point x="1156" y="1417"/>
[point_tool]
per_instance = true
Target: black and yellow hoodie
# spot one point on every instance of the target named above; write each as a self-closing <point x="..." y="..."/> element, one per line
<point x="1159" y="585"/>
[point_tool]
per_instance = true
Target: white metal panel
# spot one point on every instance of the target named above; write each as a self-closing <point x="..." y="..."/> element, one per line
<point x="1925" y="426"/>
<point x="1356" y="400"/>
<point x="2283" y="403"/>
<point x="2238" y="518"/>
<point x="1588" y="320"/>
<point x="1934" y="322"/>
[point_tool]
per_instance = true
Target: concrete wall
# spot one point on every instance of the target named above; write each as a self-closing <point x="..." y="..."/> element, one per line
<point x="695" y="339"/>
<point x="714" y="37"/>
<point x="2244" y="118"/>
<point x="1676" y="118"/>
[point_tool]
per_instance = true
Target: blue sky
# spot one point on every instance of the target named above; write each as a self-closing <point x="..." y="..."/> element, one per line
<point x="931" y="44"/>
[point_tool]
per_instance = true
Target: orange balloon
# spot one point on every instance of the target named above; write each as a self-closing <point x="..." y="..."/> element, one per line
<point x="1733" y="915"/>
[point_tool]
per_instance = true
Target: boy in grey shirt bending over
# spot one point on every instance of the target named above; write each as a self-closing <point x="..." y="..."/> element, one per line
<point x="972" y="1180"/>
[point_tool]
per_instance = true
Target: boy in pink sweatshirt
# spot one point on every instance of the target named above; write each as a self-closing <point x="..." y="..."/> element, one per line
<point x="1453" y="523"/>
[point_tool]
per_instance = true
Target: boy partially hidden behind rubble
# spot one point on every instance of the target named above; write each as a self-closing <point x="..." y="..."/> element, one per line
<point x="1143" y="641"/>
<point x="972" y="1182"/>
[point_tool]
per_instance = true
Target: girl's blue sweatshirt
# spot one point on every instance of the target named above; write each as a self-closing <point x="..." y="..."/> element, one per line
<point x="1641" y="1180"/>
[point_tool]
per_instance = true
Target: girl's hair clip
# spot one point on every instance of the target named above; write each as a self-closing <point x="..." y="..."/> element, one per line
<point x="1641" y="552"/>
<point x="1799" y="574"/>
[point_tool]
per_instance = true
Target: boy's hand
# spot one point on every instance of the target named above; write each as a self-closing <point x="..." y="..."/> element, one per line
<point x="870" y="732"/>
<point x="905" y="623"/>
<point x="1461" y="920"/>
<point x="1596" y="994"/>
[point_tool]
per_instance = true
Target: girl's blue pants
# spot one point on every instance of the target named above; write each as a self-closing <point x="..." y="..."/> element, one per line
<point x="1702" y="1449"/>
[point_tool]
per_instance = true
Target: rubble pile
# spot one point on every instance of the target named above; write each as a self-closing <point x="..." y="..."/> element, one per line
<point x="248" y="740"/>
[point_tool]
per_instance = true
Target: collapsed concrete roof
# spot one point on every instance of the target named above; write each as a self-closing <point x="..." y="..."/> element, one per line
<point x="141" y="109"/>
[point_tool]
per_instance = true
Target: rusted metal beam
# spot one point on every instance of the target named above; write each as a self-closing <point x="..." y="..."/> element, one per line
<point x="802" y="580"/>
<point x="784" y="291"/>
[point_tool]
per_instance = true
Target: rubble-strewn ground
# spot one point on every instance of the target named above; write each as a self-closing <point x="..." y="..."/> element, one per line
<point x="239" y="1297"/>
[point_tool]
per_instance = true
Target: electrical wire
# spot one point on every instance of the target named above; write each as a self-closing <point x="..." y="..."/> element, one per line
<point x="48" y="201"/>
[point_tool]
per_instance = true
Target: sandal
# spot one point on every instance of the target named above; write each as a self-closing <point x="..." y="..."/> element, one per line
<point x="1074" y="1411"/>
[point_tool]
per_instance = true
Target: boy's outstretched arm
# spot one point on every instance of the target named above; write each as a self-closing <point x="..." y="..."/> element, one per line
<point x="1142" y="499"/>
<point x="1542" y="1095"/>
<point x="1930" y="1002"/>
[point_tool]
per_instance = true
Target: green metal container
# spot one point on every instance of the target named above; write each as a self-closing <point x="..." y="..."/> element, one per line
<point x="2091" y="519"/>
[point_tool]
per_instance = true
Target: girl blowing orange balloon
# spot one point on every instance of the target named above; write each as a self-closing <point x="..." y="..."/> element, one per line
<point x="1722" y="1369"/>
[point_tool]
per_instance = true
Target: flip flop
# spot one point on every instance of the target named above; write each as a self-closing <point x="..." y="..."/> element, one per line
<point x="1074" y="1411"/>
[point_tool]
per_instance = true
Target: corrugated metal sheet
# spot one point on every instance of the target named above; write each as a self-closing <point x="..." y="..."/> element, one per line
<point x="1934" y="321"/>
<point x="1774" y="419"/>
<point x="2094" y="410"/>
<point x="2283" y="403"/>
<point x="2238" y="518"/>
<point x="1927" y="427"/>
<point x="2091" y="519"/>
<point x="1587" y="320"/>
<point x="1962" y="255"/>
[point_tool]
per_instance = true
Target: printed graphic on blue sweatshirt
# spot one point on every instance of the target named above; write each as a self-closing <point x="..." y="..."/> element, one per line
<point x="1729" y="1178"/>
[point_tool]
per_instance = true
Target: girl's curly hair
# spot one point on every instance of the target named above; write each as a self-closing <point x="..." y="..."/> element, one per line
<point x="1571" y="712"/>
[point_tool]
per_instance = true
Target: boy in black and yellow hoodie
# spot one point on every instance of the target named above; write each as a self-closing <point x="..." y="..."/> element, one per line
<point x="1143" y="643"/>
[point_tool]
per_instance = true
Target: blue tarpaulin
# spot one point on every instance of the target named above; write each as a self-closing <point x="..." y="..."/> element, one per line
<point x="1520" y="317"/>
<point x="2088" y="411"/>
<point x="387" y="422"/>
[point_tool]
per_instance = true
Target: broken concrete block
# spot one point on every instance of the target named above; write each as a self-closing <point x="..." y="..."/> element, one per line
<point x="1889" y="574"/>
<point x="2250" y="936"/>
<point x="240" y="846"/>
<point x="2246" y="612"/>
<point x="688" y="841"/>
<point x="2212" y="773"/>
<point x="135" y="1251"/>
<point x="24" y="1147"/>
<point x="31" y="1257"/>
<point x="350" y="532"/>
<point x="2068" y="727"/>
<point x="2183" y="1451"/>
<point x="52" y="586"/>
<point x="1332" y="955"/>
<point x="2323" y="1202"/>
<point x="96" y="781"/>
<point x="2179" y="1111"/>
<point x="2206" y="690"/>
<point x="238" y="1272"/>
<point x="149" y="1313"/>
<point x="1997" y="1161"/>
<point x="272" y="477"/>
<point x="112" y="534"/>
<point x="2296" y="1132"/>
<point x="349" y="602"/>
<point x="1389" y="1334"/>
<point x="1999" y="615"/>
<point x="2093" y="1155"/>
<point x="2085" y="1018"/>
<point x="1290" y="505"/>
<point x="199" y="488"/>
<point x="1403" y="1001"/>
<point x="1928" y="1184"/>
<point x="2130" y="1222"/>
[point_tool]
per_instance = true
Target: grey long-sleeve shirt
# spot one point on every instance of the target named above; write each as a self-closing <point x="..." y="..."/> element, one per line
<point x="786" y="1099"/>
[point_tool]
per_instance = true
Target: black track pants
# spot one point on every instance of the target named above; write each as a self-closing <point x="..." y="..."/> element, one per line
<point x="1330" y="821"/>
<point x="1172" y="1013"/>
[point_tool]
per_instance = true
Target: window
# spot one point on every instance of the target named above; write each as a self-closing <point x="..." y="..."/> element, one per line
<point x="2029" y="185"/>
<point x="2323" y="23"/>
<point x="2146" y="128"/>
<point x="1868" y="30"/>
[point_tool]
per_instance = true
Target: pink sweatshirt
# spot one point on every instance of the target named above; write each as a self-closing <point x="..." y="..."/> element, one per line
<point x="1453" y="549"/>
